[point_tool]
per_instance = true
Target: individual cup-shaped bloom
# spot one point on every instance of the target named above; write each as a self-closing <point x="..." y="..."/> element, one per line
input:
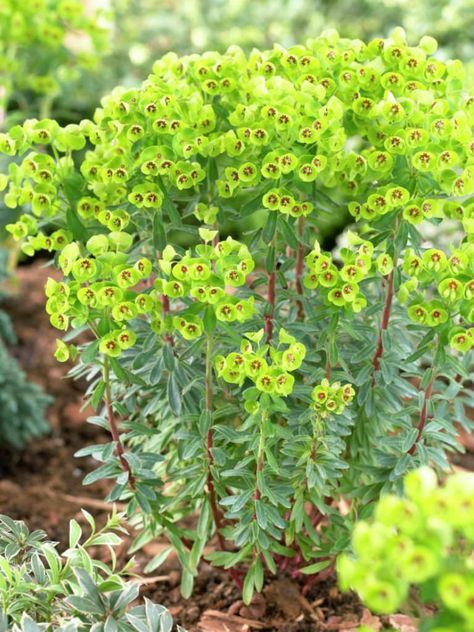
<point x="84" y="269"/>
<point x="127" y="277"/>
<point x="87" y="296"/>
<point x="380" y="161"/>
<point x="199" y="293"/>
<point x="320" y="394"/>
<point x="146" y="195"/>
<point x="458" y="262"/>
<point x="60" y="321"/>
<point x="320" y="263"/>
<point x="307" y="172"/>
<point x="214" y="294"/>
<point x="109" y="295"/>
<point x="378" y="202"/>
<point x="395" y="144"/>
<point x="62" y="351"/>
<point x="199" y="271"/>
<point x="469" y="290"/>
<point x="123" y="311"/>
<point x="383" y="596"/>
<point x="406" y="290"/>
<point x="174" y="289"/>
<point x="120" y="240"/>
<point x="424" y="161"/>
<point x="418" y="564"/>
<point x="291" y="359"/>
<point x="144" y="267"/>
<point x="437" y="315"/>
<point x="97" y="244"/>
<point x="244" y="309"/>
<point x="249" y="173"/>
<point x="384" y="264"/>
<point x="461" y="339"/>
<point x="412" y="264"/>
<point x="359" y="303"/>
<point x="271" y="200"/>
<point x="336" y="297"/>
<point x="226" y="312"/>
<point x="205" y="213"/>
<point x="271" y="170"/>
<point x="346" y="393"/>
<point x="288" y="162"/>
<point x="181" y="270"/>
<point x="328" y="278"/>
<point x="284" y="383"/>
<point x="418" y="313"/>
<point x="286" y="202"/>
<point x="453" y="589"/>
<point x="311" y="281"/>
<point x="189" y="328"/>
<point x="234" y="277"/>
<point x="451" y="289"/>
<point x="126" y="338"/>
<point x="351" y="273"/>
<point x="60" y="238"/>
<point x="144" y="303"/>
<point x="350" y="292"/>
<point x="355" y="209"/>
<point x="435" y="260"/>
<point x="413" y="214"/>
<point x="246" y="265"/>
<point x="110" y="346"/>
<point x="265" y="382"/>
<point x="254" y="365"/>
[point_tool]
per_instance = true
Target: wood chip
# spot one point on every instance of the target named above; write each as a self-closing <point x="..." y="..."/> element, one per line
<point x="216" y="621"/>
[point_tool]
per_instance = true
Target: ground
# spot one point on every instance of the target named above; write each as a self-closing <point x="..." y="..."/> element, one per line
<point x="43" y="486"/>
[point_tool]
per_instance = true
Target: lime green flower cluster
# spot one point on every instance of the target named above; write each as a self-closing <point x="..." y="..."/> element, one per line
<point x="39" y="39"/>
<point x="331" y="399"/>
<point x="452" y="305"/>
<point x="269" y="368"/>
<point x="339" y="286"/>
<point x="208" y="278"/>
<point x="425" y="538"/>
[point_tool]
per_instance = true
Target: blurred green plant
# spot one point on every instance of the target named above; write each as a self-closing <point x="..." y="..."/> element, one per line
<point x="42" y="590"/>
<point x="22" y="404"/>
<point x="46" y="48"/>
<point x="424" y="539"/>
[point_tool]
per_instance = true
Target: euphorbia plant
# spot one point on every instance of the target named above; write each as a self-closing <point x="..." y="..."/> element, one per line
<point x="255" y="381"/>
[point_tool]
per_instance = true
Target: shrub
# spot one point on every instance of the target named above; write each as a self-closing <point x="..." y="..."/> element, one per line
<point x="22" y="404"/>
<point x="46" y="46"/>
<point x="256" y="382"/>
<point x="423" y="539"/>
<point x="41" y="589"/>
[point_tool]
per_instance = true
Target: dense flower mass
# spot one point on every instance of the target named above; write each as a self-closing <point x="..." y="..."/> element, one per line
<point x="186" y="218"/>
<point x="424" y="538"/>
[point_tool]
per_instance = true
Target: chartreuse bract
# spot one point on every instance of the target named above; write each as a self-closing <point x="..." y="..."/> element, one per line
<point x="253" y="377"/>
<point x="424" y="539"/>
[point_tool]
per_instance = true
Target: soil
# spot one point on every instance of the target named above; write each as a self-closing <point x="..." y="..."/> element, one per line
<point x="43" y="486"/>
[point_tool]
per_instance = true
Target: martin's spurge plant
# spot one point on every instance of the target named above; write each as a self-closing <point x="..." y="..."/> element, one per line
<point x="424" y="539"/>
<point x="256" y="381"/>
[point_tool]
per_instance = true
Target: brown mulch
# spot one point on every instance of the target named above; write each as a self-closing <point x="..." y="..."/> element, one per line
<point x="43" y="486"/>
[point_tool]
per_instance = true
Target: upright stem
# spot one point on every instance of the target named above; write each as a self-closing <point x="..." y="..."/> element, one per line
<point x="260" y="454"/>
<point x="165" y="302"/>
<point x="424" y="409"/>
<point x="385" y="320"/>
<point x="119" y="449"/>
<point x="217" y="516"/>
<point x="271" y="297"/>
<point x="299" y="268"/>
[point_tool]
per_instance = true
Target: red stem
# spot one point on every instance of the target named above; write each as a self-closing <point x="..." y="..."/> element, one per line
<point x="271" y="302"/>
<point x="299" y="269"/>
<point x="165" y="301"/>
<point x="423" y="414"/>
<point x="385" y="320"/>
<point x="116" y="438"/>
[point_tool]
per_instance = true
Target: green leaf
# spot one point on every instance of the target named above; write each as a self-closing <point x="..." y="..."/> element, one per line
<point x="159" y="232"/>
<point x="77" y="228"/>
<point x="174" y="395"/>
<point x="97" y="394"/>
<point x="312" y="569"/>
<point x="270" y="227"/>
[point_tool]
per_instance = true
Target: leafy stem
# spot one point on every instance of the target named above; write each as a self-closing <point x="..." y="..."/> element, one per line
<point x="426" y="402"/>
<point x="271" y="296"/>
<point x="119" y="449"/>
